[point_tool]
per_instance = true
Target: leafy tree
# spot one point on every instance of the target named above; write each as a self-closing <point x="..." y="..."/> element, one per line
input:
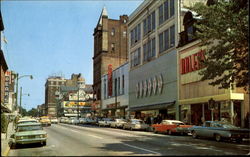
<point x="24" y="112"/>
<point x="224" y="29"/>
<point x="33" y="112"/>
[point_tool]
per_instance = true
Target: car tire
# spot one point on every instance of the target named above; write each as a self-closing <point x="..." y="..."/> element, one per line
<point x="123" y="128"/>
<point x="217" y="137"/>
<point x="44" y="143"/>
<point x="154" y="130"/>
<point x="239" y="140"/>
<point x="194" y="134"/>
<point x="131" y="129"/>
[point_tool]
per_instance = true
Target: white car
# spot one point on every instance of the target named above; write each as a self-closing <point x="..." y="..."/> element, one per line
<point x="73" y="120"/>
<point x="54" y="120"/>
<point x="105" y="122"/>
<point x="118" y="123"/>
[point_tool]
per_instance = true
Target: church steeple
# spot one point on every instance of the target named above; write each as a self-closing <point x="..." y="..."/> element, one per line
<point x="103" y="14"/>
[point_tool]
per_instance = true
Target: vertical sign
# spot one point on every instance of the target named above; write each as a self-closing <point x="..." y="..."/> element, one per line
<point x="6" y="86"/>
<point x="110" y="80"/>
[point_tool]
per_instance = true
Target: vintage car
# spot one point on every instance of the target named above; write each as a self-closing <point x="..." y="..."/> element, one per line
<point x="27" y="133"/>
<point x="45" y="121"/>
<point x="219" y="130"/>
<point x="73" y="120"/>
<point x="118" y="123"/>
<point x="54" y="120"/>
<point x="105" y="122"/>
<point x="135" y="124"/>
<point x="26" y="120"/>
<point x="171" y="127"/>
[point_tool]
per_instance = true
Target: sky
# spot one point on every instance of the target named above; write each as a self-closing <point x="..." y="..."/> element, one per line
<point x="54" y="37"/>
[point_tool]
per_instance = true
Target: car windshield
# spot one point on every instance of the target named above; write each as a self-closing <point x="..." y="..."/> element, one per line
<point x="121" y="120"/>
<point x="29" y="128"/>
<point x="229" y="126"/>
<point x="178" y="123"/>
<point x="138" y="122"/>
<point x="21" y="122"/>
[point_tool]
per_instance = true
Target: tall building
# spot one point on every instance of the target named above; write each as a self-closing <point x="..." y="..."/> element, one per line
<point x="153" y="65"/>
<point x="110" y="48"/>
<point x="52" y="85"/>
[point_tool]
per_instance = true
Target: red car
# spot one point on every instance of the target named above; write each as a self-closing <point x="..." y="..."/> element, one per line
<point x="171" y="127"/>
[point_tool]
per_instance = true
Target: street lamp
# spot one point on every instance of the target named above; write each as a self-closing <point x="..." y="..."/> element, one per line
<point x="21" y="99"/>
<point x="17" y="78"/>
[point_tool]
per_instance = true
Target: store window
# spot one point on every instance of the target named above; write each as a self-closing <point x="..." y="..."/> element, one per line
<point x="113" y="31"/>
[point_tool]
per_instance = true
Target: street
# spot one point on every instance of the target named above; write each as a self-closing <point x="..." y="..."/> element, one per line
<point x="71" y="140"/>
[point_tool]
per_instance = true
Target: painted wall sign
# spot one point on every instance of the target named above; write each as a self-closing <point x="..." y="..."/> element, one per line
<point x="145" y="88"/>
<point x="149" y="86"/>
<point x="160" y="83"/>
<point x="141" y="88"/>
<point x="192" y="63"/>
<point x="154" y="84"/>
<point x="110" y="80"/>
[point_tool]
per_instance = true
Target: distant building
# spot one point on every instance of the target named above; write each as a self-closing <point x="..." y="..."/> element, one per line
<point x="52" y="85"/>
<point x="115" y="103"/>
<point x="110" y="48"/>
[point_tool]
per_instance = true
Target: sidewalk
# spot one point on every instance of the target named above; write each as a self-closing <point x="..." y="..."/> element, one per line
<point x="4" y="141"/>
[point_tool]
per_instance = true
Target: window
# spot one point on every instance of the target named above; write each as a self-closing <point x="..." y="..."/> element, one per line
<point x="136" y="57"/>
<point x="113" y="32"/>
<point x="171" y="8"/>
<point x="135" y="34"/>
<point x="161" y="42"/>
<point x="113" y="46"/>
<point x="161" y="14"/>
<point x="153" y="47"/>
<point x="124" y="34"/>
<point x="166" y="37"/>
<point x="124" y="21"/>
<point x="118" y="86"/>
<point x="149" y="50"/>
<point x="166" y="10"/>
<point x="149" y="23"/>
<point x="172" y="36"/>
<point x="123" y="84"/>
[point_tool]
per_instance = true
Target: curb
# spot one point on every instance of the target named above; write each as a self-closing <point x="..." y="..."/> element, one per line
<point x="6" y="152"/>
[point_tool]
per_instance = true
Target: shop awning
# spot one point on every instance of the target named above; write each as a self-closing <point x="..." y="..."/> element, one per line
<point x="114" y="108"/>
<point x="152" y="106"/>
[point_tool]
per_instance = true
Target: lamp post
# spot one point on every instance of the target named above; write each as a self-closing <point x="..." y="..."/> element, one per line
<point x="21" y="99"/>
<point x="17" y="79"/>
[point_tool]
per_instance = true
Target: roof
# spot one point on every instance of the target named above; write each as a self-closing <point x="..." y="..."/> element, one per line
<point x="29" y="123"/>
<point x="103" y="14"/>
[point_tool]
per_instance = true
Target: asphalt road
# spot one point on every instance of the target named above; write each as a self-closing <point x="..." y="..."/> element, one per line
<point x="70" y="140"/>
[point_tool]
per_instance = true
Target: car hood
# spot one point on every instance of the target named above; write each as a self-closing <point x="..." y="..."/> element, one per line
<point x="26" y="133"/>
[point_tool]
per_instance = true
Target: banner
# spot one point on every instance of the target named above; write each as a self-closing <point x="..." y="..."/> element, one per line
<point x="110" y="80"/>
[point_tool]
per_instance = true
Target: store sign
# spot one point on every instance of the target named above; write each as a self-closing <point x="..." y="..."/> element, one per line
<point x="73" y="104"/>
<point x="110" y="80"/>
<point x="146" y="87"/>
<point x="192" y="62"/>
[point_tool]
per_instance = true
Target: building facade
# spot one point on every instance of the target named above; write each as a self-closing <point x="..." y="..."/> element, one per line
<point x="52" y="85"/>
<point x="115" y="92"/>
<point x="110" y="48"/>
<point x="153" y="35"/>
<point x="195" y="96"/>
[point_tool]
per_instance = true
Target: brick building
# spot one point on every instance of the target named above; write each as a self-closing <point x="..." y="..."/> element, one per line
<point x="110" y="47"/>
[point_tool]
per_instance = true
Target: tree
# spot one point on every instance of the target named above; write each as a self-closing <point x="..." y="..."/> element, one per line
<point x="24" y="112"/>
<point x="33" y="112"/>
<point x="223" y="28"/>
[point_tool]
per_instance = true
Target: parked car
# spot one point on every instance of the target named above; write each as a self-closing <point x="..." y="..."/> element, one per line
<point x="45" y="121"/>
<point x="171" y="127"/>
<point x="54" y="120"/>
<point x="87" y="120"/>
<point x="26" y="120"/>
<point x="219" y="130"/>
<point x="73" y="120"/>
<point x="135" y="124"/>
<point x="27" y="133"/>
<point x="63" y="119"/>
<point x="105" y="122"/>
<point x="118" y="123"/>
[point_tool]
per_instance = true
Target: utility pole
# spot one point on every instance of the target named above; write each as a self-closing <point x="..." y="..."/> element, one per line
<point x="21" y="101"/>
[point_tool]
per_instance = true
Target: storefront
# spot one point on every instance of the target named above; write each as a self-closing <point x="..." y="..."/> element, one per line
<point x="195" y="96"/>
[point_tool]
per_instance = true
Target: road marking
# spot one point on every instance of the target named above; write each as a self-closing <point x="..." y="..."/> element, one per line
<point x="96" y="136"/>
<point x="142" y="149"/>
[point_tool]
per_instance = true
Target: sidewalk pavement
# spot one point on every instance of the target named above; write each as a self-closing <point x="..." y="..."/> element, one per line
<point x="5" y="140"/>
